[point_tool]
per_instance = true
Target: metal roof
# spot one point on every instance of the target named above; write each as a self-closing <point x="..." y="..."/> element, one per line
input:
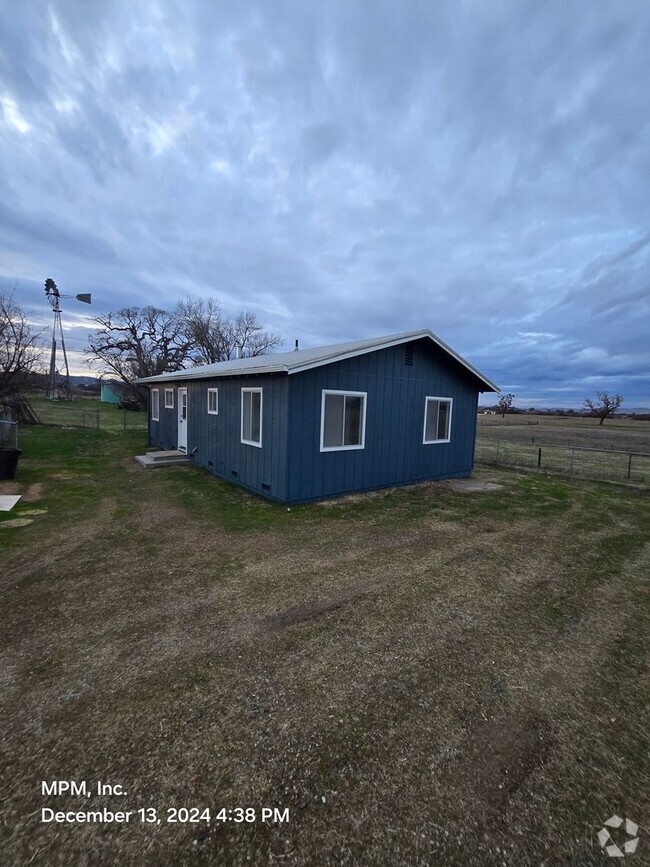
<point x="304" y="359"/>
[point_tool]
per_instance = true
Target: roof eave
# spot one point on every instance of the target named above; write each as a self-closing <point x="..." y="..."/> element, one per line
<point x="417" y="335"/>
<point x="189" y="375"/>
<point x="326" y="358"/>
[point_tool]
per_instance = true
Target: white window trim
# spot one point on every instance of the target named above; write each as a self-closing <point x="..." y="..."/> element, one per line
<point x="157" y="403"/>
<point x="213" y="411"/>
<point x="169" y="405"/>
<point x="362" y="445"/>
<point x="448" y="400"/>
<point x="241" y="429"/>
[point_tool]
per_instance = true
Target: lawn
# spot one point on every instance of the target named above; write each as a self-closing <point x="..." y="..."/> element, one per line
<point x="422" y="676"/>
<point x="87" y="412"/>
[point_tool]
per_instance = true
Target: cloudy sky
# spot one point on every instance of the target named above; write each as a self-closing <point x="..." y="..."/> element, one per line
<point x="346" y="170"/>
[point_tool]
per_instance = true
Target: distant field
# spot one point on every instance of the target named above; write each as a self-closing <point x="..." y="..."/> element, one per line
<point x="618" y="450"/>
<point x="623" y="434"/>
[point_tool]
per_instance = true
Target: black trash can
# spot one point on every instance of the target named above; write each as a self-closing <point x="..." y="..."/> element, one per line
<point x="9" y="462"/>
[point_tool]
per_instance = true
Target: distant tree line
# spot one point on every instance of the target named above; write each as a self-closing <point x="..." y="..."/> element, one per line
<point x="602" y="407"/>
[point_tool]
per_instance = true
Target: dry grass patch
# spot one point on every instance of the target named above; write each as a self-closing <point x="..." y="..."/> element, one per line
<point x="420" y="677"/>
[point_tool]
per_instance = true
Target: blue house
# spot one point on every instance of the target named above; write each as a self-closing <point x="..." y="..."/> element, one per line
<point x="316" y="423"/>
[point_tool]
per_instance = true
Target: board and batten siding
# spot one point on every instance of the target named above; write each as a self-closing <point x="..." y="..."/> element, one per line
<point x="164" y="432"/>
<point x="214" y="441"/>
<point x="394" y="453"/>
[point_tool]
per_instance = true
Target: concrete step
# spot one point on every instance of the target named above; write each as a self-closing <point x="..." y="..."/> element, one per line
<point x="155" y="460"/>
<point x="162" y="455"/>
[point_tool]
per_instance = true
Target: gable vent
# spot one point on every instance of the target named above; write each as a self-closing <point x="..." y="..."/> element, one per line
<point x="408" y="355"/>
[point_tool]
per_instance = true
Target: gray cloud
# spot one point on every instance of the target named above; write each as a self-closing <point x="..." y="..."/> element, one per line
<point x="479" y="169"/>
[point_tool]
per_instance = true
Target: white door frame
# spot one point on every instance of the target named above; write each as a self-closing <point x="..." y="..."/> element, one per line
<point x="182" y="420"/>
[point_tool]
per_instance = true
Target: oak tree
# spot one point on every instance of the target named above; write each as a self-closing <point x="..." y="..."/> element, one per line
<point x="604" y="406"/>
<point x="214" y="337"/>
<point x="504" y="404"/>
<point x="136" y="342"/>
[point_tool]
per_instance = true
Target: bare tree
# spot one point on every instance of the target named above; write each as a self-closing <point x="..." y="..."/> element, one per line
<point x="604" y="406"/>
<point x="20" y="350"/>
<point x="216" y="338"/>
<point x="504" y="403"/>
<point x="137" y="342"/>
<point x="249" y="338"/>
<point x="206" y="329"/>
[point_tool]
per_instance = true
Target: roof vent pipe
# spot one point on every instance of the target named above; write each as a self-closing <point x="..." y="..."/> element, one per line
<point x="295" y="348"/>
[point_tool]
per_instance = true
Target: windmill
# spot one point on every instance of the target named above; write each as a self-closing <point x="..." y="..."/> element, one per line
<point x="54" y="297"/>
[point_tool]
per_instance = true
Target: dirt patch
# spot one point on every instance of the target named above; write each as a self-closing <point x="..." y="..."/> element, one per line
<point x="32" y="494"/>
<point x="350" y="499"/>
<point x="309" y="611"/>
<point x="499" y="756"/>
<point x="470" y="486"/>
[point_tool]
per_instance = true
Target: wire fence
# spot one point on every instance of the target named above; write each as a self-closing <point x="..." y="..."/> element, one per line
<point x="130" y="420"/>
<point x="75" y="414"/>
<point x="587" y="463"/>
<point x="67" y="415"/>
<point x="572" y="461"/>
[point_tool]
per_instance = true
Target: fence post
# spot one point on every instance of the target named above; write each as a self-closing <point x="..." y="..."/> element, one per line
<point x="539" y="457"/>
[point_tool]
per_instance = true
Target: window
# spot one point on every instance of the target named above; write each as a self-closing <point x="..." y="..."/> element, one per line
<point x="251" y="416"/>
<point x="155" y="404"/>
<point x="213" y="401"/>
<point x="343" y="420"/>
<point x="437" y="420"/>
<point x="169" y="398"/>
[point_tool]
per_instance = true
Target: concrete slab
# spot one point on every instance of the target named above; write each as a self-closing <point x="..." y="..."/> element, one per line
<point x="7" y="502"/>
<point x="162" y="454"/>
<point x="156" y="460"/>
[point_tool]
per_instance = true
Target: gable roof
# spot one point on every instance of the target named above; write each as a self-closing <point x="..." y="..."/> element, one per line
<point x="305" y="359"/>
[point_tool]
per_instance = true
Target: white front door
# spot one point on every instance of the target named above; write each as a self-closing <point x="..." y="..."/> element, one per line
<point x="182" y="419"/>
